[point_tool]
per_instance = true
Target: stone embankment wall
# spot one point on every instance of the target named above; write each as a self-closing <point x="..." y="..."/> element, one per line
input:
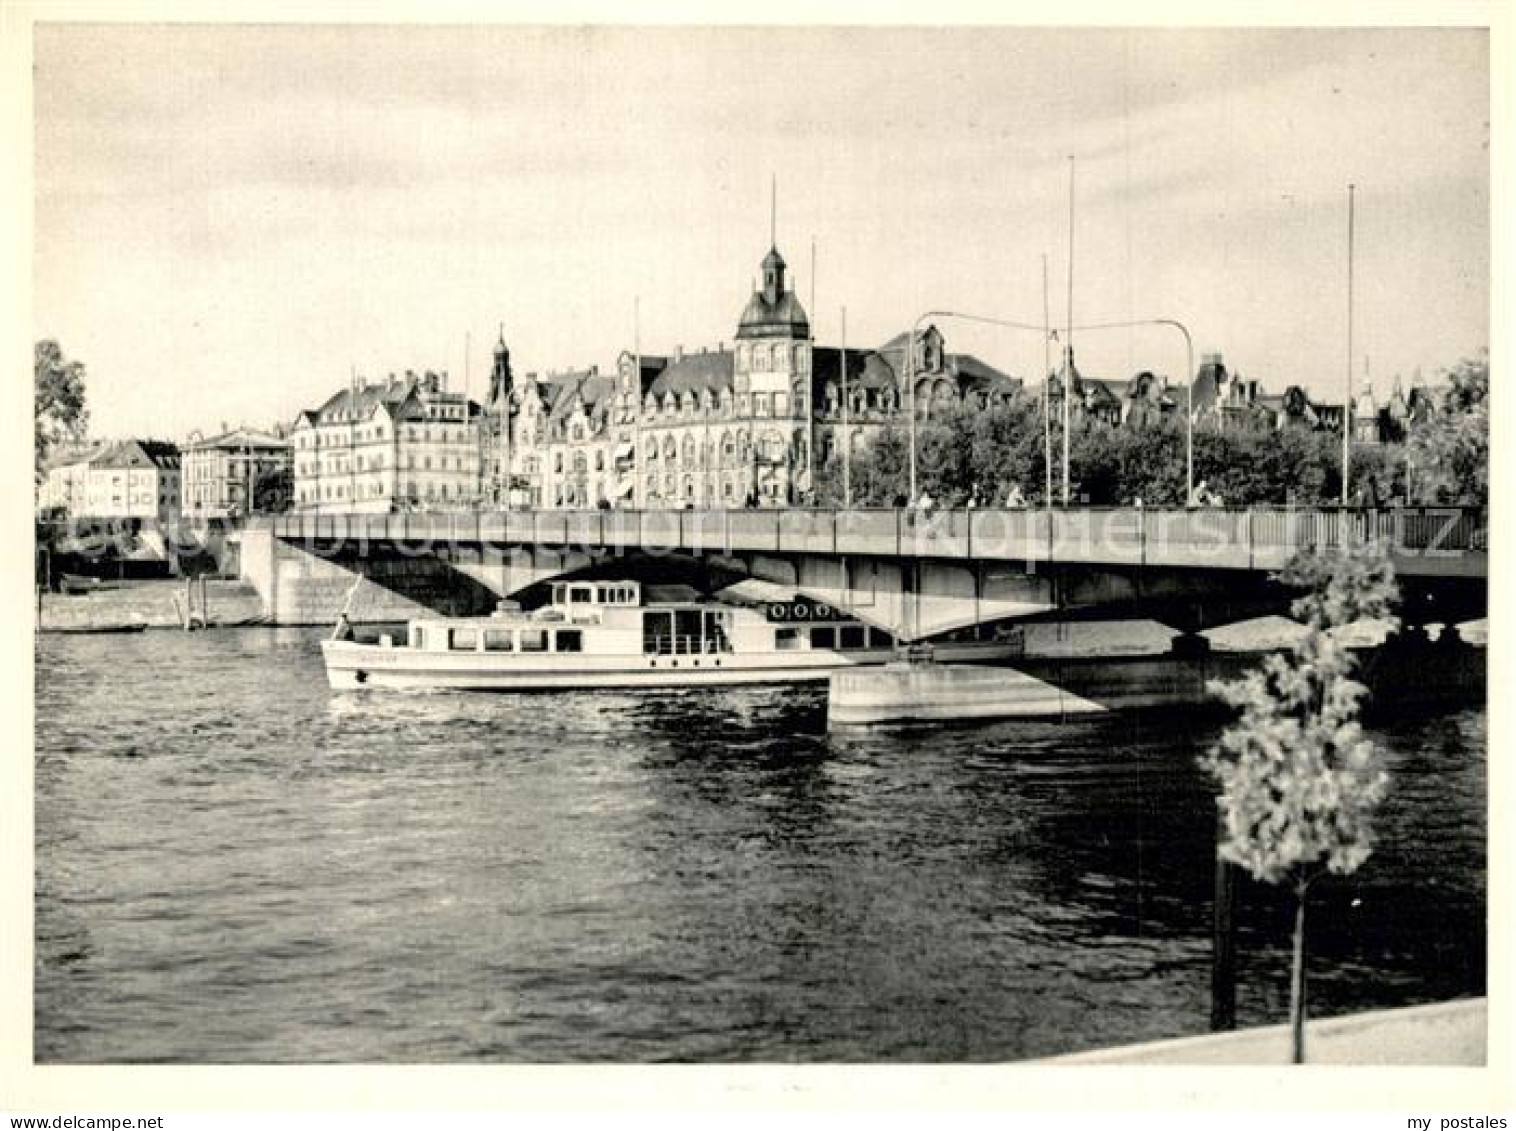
<point x="149" y="602"/>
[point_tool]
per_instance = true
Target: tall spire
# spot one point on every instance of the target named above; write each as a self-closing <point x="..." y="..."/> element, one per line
<point x="501" y="381"/>
<point x="773" y="210"/>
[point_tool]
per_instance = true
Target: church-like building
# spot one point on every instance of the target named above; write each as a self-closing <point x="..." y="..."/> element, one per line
<point x="745" y="425"/>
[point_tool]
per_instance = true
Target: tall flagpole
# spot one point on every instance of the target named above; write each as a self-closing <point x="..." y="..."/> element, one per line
<point x="478" y="490"/>
<point x="813" y="278"/>
<point x="809" y="386"/>
<point x="847" y="432"/>
<point x="639" y="485"/>
<point x="1347" y="404"/>
<point x="1047" y="386"/>
<point x="507" y="473"/>
<point x="1068" y="344"/>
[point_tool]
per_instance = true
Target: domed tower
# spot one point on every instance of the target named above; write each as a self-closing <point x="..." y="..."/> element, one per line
<point x="773" y="336"/>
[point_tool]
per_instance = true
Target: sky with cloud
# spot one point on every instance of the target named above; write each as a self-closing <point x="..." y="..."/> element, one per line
<point x="228" y="220"/>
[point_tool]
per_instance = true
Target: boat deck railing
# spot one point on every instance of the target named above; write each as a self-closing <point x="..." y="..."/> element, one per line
<point x="686" y="645"/>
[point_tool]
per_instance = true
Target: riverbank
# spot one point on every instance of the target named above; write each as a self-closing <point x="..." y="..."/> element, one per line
<point x="148" y="602"/>
<point x="1450" y="1034"/>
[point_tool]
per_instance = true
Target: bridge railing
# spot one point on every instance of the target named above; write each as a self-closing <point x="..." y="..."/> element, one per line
<point x="1253" y="538"/>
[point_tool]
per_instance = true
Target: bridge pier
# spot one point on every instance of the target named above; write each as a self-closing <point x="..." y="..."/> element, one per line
<point x="304" y="584"/>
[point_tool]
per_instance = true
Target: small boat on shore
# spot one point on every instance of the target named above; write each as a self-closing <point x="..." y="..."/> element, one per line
<point x="76" y="585"/>
<point x="95" y="629"/>
<point x="601" y="634"/>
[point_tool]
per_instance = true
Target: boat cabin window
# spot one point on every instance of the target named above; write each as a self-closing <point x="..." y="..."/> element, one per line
<point x="569" y="640"/>
<point x="499" y="640"/>
<point x="533" y="640"/>
<point x="687" y="631"/>
<point x="879" y="638"/>
<point x="853" y="635"/>
<point x="582" y="594"/>
<point x="823" y="636"/>
<point x="788" y="639"/>
<point x="464" y="639"/>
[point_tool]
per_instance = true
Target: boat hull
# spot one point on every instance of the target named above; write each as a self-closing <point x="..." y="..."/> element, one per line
<point x="352" y="666"/>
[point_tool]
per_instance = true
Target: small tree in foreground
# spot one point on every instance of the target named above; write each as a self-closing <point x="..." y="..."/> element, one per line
<point x="1299" y="781"/>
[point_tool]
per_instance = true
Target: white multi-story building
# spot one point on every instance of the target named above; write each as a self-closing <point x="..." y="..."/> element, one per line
<point x="136" y="479"/>
<point x="406" y="443"/>
<point x="223" y="474"/>
<point x="65" y="487"/>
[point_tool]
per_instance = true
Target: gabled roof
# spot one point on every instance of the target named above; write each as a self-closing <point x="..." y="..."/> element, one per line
<point x="73" y="456"/>
<point x="403" y="398"/>
<point x="239" y="438"/>
<point x="969" y="373"/>
<point x="866" y="369"/>
<point x="897" y="343"/>
<point x="1103" y="389"/>
<point x="695" y="373"/>
<point x="360" y="403"/>
<point x="589" y="386"/>
<point x="980" y="376"/>
<point x="136" y="454"/>
<point x="652" y="365"/>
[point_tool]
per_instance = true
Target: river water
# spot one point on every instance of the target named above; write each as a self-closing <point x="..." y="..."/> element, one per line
<point x="235" y="865"/>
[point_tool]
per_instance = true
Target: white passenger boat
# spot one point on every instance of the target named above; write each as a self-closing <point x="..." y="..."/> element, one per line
<point x="600" y="634"/>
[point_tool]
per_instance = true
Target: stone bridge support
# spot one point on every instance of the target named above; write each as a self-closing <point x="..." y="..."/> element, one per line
<point x="304" y="583"/>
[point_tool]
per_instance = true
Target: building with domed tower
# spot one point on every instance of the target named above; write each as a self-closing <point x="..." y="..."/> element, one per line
<point x="723" y="426"/>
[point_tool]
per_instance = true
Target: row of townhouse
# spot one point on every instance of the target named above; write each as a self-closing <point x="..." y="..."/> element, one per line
<point x="124" y="479"/>
<point x="1223" y="399"/>
<point x="226" y="475"/>
<point x="744" y="425"/>
<point x="723" y="426"/>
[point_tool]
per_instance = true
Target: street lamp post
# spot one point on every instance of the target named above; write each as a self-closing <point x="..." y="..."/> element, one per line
<point x="1189" y="386"/>
<point x="1347" y="392"/>
<point x="847" y="432"/>
<point x="1189" y="354"/>
<point x="910" y="379"/>
<point x="1047" y="390"/>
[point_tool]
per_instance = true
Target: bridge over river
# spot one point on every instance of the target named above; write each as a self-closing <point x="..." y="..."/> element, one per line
<point x="916" y="575"/>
